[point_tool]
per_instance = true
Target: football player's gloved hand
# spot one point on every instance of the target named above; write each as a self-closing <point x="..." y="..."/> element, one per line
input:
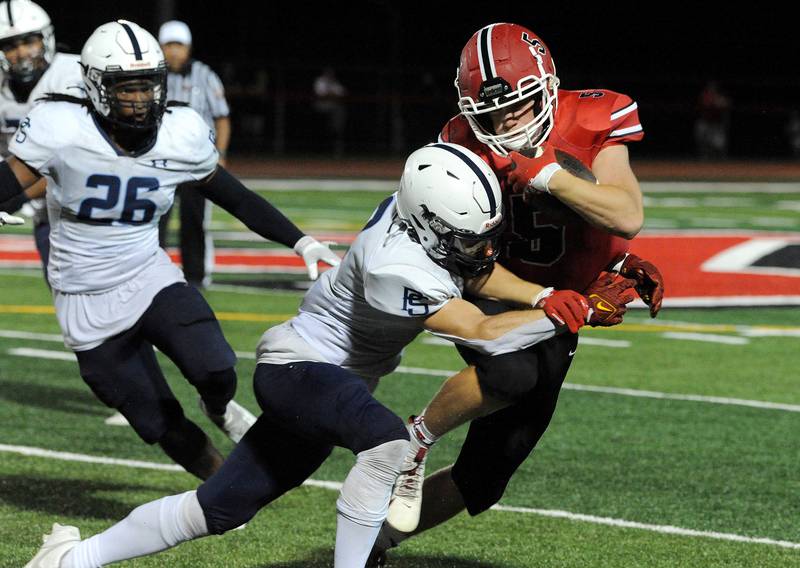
<point x="649" y="282"/>
<point x="563" y="307"/>
<point x="314" y="251"/>
<point x="533" y="174"/>
<point x="608" y="298"/>
<point x="6" y="219"/>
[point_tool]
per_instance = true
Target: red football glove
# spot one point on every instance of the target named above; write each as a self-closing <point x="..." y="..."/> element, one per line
<point x="533" y="174"/>
<point x="564" y="307"/>
<point x="608" y="298"/>
<point x="649" y="282"/>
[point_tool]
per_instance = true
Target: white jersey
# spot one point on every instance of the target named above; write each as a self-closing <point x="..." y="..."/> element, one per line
<point x="62" y="76"/>
<point x="105" y="262"/>
<point x="104" y="205"/>
<point x="361" y="314"/>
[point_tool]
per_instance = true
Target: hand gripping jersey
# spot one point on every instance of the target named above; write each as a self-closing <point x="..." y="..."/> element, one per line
<point x="545" y="241"/>
<point x="361" y="314"/>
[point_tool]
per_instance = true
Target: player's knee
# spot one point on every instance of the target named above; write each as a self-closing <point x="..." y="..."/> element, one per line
<point x="365" y="494"/>
<point x="216" y="388"/>
<point x="510" y="376"/>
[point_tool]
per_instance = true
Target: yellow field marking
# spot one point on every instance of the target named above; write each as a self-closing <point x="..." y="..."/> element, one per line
<point x="625" y="327"/>
<point x="10" y="309"/>
<point x="222" y="316"/>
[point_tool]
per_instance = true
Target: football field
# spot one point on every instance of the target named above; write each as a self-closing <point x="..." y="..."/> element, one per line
<point x="676" y="442"/>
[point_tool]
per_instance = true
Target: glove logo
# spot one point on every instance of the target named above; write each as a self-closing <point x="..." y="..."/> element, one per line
<point x="602" y="305"/>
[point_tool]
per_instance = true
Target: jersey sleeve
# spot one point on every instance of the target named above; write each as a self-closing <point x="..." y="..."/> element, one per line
<point x="625" y="125"/>
<point x="215" y="93"/>
<point x="196" y="144"/>
<point x="407" y="290"/>
<point x="40" y="135"/>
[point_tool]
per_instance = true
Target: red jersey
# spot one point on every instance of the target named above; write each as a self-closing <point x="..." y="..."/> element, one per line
<point x="545" y="241"/>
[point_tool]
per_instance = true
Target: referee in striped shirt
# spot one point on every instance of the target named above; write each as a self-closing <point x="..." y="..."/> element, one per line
<point x="193" y="82"/>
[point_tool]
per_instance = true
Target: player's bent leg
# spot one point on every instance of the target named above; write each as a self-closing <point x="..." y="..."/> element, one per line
<point x="268" y="462"/>
<point x="124" y="374"/>
<point x="148" y="529"/>
<point x="181" y="323"/>
<point x="325" y="402"/>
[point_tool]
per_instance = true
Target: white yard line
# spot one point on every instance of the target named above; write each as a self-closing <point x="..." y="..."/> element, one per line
<point x="706" y="337"/>
<point x="12" y="334"/>
<point x="336" y="486"/>
<point x="42" y="354"/>
<point x="441" y="373"/>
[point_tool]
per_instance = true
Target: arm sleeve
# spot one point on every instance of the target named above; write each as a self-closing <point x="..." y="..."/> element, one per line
<point x="251" y="209"/>
<point x="516" y="339"/>
<point x="407" y="290"/>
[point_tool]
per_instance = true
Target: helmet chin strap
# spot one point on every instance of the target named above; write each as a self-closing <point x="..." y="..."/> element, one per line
<point x="128" y="137"/>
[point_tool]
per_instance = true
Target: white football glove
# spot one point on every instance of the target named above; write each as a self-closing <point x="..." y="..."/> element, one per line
<point x="6" y="219"/>
<point x="314" y="251"/>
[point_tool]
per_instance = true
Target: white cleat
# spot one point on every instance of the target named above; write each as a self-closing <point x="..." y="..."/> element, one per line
<point x="61" y="540"/>
<point x="117" y="419"/>
<point x="406" y="502"/>
<point x="235" y="422"/>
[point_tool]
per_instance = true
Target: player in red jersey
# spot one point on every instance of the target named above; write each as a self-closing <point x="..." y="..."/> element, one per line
<point x="573" y="203"/>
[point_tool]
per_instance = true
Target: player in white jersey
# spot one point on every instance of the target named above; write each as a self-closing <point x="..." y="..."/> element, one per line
<point x="405" y="273"/>
<point x="31" y="68"/>
<point x="112" y="162"/>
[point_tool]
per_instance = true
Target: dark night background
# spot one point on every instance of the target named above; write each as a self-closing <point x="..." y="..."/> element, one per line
<point x="398" y="60"/>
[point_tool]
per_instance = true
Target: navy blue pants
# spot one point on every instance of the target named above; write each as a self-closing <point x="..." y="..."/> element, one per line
<point x="308" y="409"/>
<point x="497" y="444"/>
<point x="124" y="374"/>
<point x="41" y="236"/>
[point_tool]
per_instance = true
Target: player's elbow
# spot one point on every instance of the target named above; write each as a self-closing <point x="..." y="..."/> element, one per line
<point x="630" y="227"/>
<point x="628" y="223"/>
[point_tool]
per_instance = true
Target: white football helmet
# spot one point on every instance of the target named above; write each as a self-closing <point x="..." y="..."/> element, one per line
<point x="451" y="200"/>
<point x="118" y="56"/>
<point x="20" y="19"/>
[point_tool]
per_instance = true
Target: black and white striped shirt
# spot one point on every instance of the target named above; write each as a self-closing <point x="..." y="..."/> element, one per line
<point x="201" y="88"/>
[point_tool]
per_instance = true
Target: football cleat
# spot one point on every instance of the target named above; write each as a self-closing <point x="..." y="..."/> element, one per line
<point x="55" y="546"/>
<point x="235" y="422"/>
<point x="406" y="502"/>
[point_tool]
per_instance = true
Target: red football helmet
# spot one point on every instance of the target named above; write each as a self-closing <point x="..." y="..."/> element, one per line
<point x="504" y="67"/>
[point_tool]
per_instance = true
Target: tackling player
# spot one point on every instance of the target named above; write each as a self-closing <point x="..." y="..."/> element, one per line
<point x="563" y="229"/>
<point x="405" y="272"/>
<point x="112" y="162"/>
<point x="31" y="68"/>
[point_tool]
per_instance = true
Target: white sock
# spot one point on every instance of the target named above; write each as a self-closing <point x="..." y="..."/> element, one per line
<point x="353" y="543"/>
<point x="149" y="528"/>
<point x="364" y="501"/>
<point x="420" y="432"/>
